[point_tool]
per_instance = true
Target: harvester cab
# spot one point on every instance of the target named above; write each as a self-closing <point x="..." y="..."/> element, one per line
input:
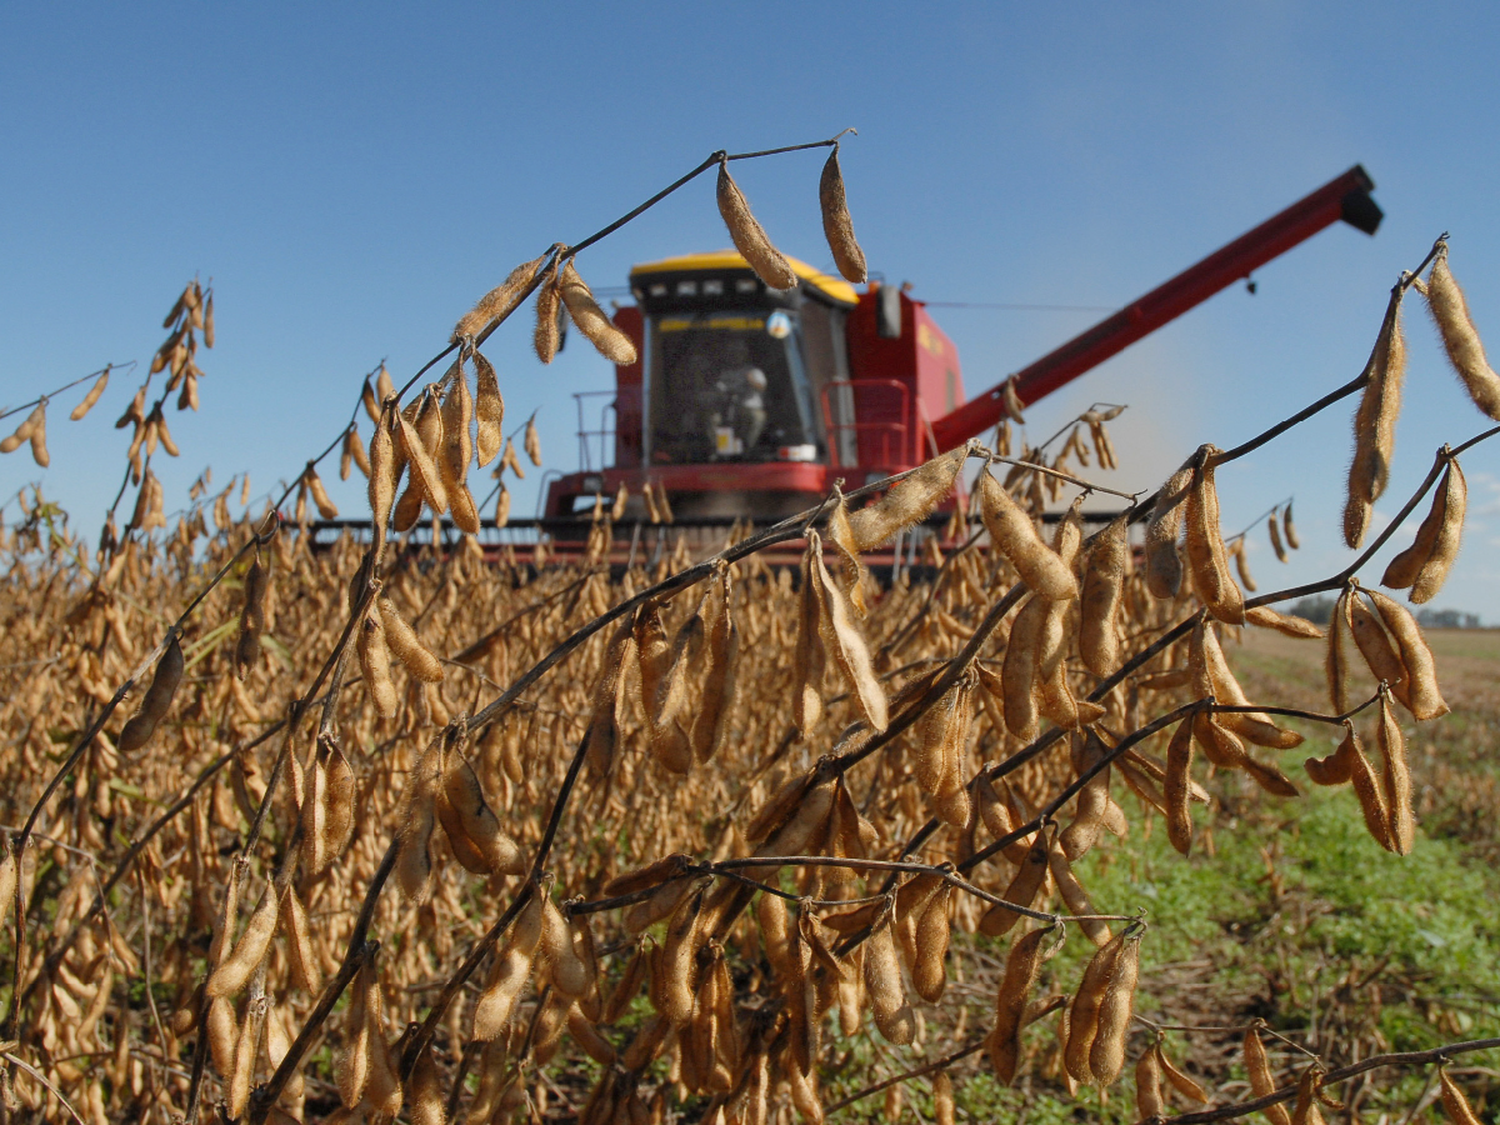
<point x="749" y="402"/>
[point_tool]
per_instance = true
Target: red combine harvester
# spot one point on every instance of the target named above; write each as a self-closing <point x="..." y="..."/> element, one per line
<point x="749" y="402"/>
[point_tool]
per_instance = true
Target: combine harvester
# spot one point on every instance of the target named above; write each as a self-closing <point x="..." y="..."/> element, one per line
<point x="748" y="403"/>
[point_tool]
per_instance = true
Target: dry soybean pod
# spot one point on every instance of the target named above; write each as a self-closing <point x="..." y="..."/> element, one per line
<point x="1177" y="787"/>
<point x="1103" y="590"/>
<point x="1424" y="700"/>
<point x="1451" y="312"/>
<point x="251" y="948"/>
<point x="1084" y="1011"/>
<point x="489" y="410"/>
<point x="138" y="731"/>
<point x="1396" y="779"/>
<point x="838" y="227"/>
<point x="1107" y="1055"/>
<point x="92" y="397"/>
<point x="1370" y="793"/>
<point x="1336" y="660"/>
<point x="512" y="969"/>
<point x="1262" y="1084"/>
<point x="499" y="302"/>
<point x="748" y="235"/>
<point x="1180" y="1081"/>
<point x="252" y="618"/>
<point x="1163" y="563"/>
<point x="1273" y="529"/>
<point x="613" y="344"/>
<point x="1022" y="967"/>
<point x="1375" y="646"/>
<point x="1022" y="891"/>
<point x="893" y="1015"/>
<point x="1013" y="534"/>
<point x="1454" y="1103"/>
<point x="1375" y="421"/>
<point x="326" y="507"/>
<point x="375" y="663"/>
<point x="908" y="500"/>
<point x="547" y="336"/>
<point x="1149" y="1102"/>
<point x="1289" y="529"/>
<point x="1404" y="569"/>
<point x="1075" y="898"/>
<point x="38" y="435"/>
<point x="1208" y="563"/>
<point x="407" y="646"/>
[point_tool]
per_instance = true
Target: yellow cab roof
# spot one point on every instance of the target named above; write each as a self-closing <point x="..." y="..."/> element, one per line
<point x="833" y="288"/>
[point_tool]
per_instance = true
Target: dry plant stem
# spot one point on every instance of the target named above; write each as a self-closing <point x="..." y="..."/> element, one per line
<point x="1374" y="1062"/>
<point x="559" y="250"/>
<point x="1087" y="486"/>
<point x="360" y="950"/>
<point x="926" y="1068"/>
<point x="42" y="1078"/>
<point x="107" y="369"/>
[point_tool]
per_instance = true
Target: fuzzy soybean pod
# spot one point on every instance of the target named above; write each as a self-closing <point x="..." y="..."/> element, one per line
<point x="1208" y="562"/>
<point x="1085" y="1009"/>
<point x="383" y="473"/>
<point x="1425" y="564"/>
<point x="407" y="646"/>
<point x="1013" y="534"/>
<point x="1375" y="421"/>
<point x="1258" y="1068"/>
<point x="489" y="411"/>
<point x="499" y="302"/>
<point x="1019" y="673"/>
<point x="893" y="1015"/>
<point x="1022" y="891"/>
<point x="1163" y="563"/>
<point x="548" y="333"/>
<point x="420" y="440"/>
<point x="910" y="499"/>
<point x="471" y="826"/>
<point x="252" y="618"/>
<point x="512" y="969"/>
<point x="1424" y="700"/>
<point x="748" y="235"/>
<point x="1149" y="1102"/>
<point x="1375" y="646"/>
<point x="1075" y="898"/>
<point x="613" y="344"/>
<point x="158" y="699"/>
<point x="375" y="663"/>
<point x="1454" y="1103"/>
<point x="250" y="950"/>
<point x="1022" y="967"/>
<point x="1451" y="312"/>
<point x="1103" y="590"/>
<point x="838" y="227"/>
<point x="1371" y="794"/>
<point x="1177" y="787"/>
<point x="843" y="641"/>
<point x="1107" y="1055"/>
<point x="1396" y="780"/>
<point x="929" y="970"/>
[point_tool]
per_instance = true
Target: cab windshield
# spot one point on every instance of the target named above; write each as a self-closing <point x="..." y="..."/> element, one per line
<point x="726" y="385"/>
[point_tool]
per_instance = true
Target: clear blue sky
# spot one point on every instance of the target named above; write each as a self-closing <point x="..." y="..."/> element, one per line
<point x="352" y="177"/>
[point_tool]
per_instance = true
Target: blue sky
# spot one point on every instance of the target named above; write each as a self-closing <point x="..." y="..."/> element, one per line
<point x="352" y="177"/>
